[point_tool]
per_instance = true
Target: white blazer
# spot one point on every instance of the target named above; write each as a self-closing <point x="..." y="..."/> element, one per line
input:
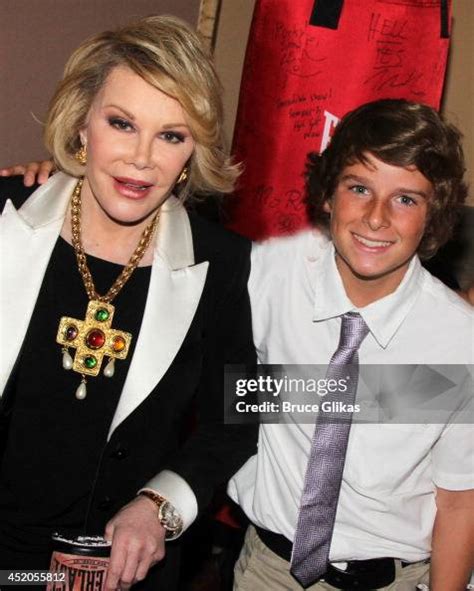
<point x="27" y="239"/>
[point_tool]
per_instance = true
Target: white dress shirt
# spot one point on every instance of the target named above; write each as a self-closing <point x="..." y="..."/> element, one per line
<point x="387" y="500"/>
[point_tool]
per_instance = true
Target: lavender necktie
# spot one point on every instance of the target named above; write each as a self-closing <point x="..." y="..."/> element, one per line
<point x="326" y="460"/>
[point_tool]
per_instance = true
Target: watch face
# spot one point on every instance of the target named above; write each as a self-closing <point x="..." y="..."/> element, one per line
<point x="169" y="517"/>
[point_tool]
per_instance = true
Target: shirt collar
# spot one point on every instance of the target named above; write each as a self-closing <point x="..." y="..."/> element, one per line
<point x="383" y="317"/>
<point x="330" y="296"/>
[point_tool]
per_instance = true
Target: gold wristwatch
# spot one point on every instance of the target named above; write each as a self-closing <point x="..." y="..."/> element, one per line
<point x="168" y="516"/>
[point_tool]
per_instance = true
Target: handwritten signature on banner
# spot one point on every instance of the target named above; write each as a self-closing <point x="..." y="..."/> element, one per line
<point x="299" y="52"/>
<point x="389" y="71"/>
<point x="287" y="206"/>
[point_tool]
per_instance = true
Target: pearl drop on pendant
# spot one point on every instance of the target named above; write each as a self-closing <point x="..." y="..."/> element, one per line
<point x="81" y="391"/>
<point x="109" y="369"/>
<point x="67" y="360"/>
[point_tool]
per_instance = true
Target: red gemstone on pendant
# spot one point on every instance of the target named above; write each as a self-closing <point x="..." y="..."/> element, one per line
<point x="71" y="332"/>
<point x="95" y="339"/>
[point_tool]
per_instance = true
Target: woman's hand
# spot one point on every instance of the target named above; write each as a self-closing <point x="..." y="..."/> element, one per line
<point x="32" y="172"/>
<point x="138" y="542"/>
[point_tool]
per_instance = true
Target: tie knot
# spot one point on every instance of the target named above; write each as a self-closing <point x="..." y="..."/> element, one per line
<point x="353" y="331"/>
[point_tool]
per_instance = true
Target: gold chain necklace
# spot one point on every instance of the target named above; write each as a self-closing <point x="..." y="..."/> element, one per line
<point x="93" y="338"/>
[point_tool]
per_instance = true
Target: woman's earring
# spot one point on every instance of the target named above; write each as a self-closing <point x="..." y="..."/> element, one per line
<point x="183" y="176"/>
<point x="81" y="155"/>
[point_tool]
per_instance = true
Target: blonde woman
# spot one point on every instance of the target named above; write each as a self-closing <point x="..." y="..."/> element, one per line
<point x="119" y="309"/>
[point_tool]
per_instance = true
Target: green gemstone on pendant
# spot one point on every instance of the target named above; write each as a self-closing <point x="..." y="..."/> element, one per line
<point x="90" y="362"/>
<point x="102" y="315"/>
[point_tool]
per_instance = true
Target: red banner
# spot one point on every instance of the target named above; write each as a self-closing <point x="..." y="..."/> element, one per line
<point x="307" y="64"/>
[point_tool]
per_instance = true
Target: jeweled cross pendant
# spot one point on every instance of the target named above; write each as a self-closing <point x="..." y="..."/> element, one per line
<point x="93" y="338"/>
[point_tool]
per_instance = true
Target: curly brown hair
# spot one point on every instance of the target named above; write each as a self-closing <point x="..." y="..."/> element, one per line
<point x="400" y="133"/>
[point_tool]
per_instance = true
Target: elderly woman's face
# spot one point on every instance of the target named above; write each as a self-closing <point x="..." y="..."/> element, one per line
<point x="138" y="142"/>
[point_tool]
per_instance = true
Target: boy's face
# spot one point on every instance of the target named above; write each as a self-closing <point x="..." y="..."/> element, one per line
<point x="378" y="216"/>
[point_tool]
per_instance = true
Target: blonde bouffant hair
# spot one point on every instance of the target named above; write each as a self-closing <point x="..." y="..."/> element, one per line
<point x="166" y="53"/>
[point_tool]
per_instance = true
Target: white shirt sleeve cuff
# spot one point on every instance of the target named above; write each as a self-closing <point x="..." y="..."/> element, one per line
<point x="178" y="492"/>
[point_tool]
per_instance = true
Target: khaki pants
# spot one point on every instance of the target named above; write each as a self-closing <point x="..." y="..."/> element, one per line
<point x="260" y="569"/>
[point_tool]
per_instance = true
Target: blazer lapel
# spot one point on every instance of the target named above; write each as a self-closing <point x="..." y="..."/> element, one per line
<point x="27" y="238"/>
<point x="174" y="292"/>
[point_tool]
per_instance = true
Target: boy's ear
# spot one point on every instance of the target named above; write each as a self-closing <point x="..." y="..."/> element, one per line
<point x="327" y="206"/>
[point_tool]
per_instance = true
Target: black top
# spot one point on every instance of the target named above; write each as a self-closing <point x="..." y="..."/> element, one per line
<point x="49" y="427"/>
<point x="213" y="328"/>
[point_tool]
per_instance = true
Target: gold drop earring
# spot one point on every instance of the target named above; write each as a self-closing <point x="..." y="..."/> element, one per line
<point x="81" y="155"/>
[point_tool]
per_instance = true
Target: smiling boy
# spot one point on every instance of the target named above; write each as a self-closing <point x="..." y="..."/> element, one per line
<point x="387" y="191"/>
<point x="377" y="219"/>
